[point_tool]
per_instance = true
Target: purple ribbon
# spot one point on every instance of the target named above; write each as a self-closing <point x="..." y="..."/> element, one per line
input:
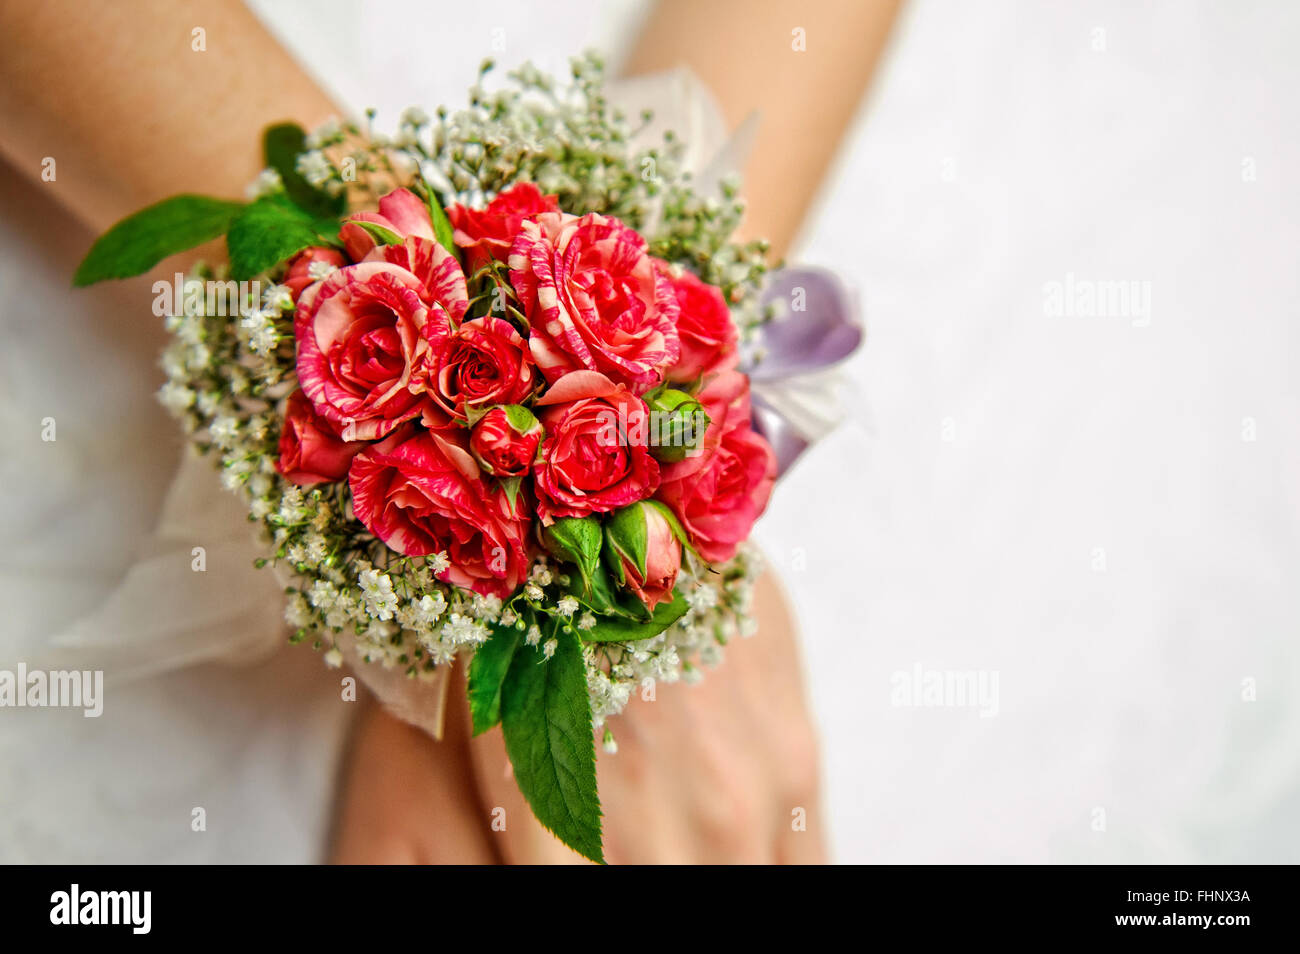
<point x="822" y="333"/>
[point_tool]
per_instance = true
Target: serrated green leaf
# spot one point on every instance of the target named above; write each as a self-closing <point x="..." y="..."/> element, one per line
<point x="546" y="718"/>
<point x="270" y="231"/>
<point x="281" y="146"/>
<point x="611" y="629"/>
<point x="487" y="672"/>
<point x="142" y="240"/>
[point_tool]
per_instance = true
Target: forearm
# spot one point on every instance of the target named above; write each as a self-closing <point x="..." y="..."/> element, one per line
<point x="130" y="113"/>
<point x="745" y="51"/>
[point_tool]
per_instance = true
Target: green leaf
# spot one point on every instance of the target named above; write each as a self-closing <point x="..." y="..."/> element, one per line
<point x="270" y="231"/>
<point x="141" y="241"/>
<point x="609" y="629"/>
<point x="281" y="146"/>
<point x="442" y="229"/>
<point x="487" y="672"/>
<point x="381" y="235"/>
<point x="546" y="718"/>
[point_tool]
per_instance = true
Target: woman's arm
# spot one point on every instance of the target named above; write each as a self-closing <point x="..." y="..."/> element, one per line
<point x="747" y="53"/>
<point x="130" y="112"/>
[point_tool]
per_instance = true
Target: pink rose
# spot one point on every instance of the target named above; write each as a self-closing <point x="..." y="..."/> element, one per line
<point x="401" y="212"/>
<point x="504" y="441"/>
<point x="704" y="325"/>
<point x="720" y="492"/>
<point x="645" y="525"/>
<point x="425" y="494"/>
<point x="594" y="299"/>
<point x="594" y="458"/>
<point x="483" y="362"/>
<point x="299" y="275"/>
<point x="362" y="344"/>
<point x="488" y="234"/>
<point x="405" y="215"/>
<point x="311" y="451"/>
<point x="438" y="271"/>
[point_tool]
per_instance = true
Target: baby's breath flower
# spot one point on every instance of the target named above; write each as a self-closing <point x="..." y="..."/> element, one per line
<point x="315" y="167"/>
<point x="267" y="182"/>
<point x="381" y="601"/>
<point x="175" y="397"/>
<point x="430" y="607"/>
<point x="224" y="430"/>
<point x="318" y="270"/>
<point x="278" y="297"/>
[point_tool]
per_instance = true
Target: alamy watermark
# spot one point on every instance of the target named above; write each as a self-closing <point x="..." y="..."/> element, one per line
<point x="656" y="428"/>
<point x="53" y="689"/>
<point x="130" y="908"/>
<point x="1087" y="298"/>
<point x="213" y="298"/>
<point x="946" y="688"/>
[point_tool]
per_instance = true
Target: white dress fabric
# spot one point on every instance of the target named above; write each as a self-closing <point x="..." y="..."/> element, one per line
<point x="997" y="458"/>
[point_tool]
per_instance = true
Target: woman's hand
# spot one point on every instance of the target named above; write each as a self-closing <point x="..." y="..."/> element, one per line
<point x="721" y="772"/>
<point x="407" y="799"/>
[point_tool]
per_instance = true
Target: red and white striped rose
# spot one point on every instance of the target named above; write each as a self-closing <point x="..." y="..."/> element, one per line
<point x="594" y="299"/>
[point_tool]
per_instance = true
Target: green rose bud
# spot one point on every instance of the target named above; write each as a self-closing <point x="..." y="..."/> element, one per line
<point x="677" y="424"/>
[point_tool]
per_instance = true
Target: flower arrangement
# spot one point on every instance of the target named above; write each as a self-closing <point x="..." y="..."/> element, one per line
<point x="480" y="394"/>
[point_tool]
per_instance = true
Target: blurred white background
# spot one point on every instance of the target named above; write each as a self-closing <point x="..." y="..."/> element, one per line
<point x="1101" y="510"/>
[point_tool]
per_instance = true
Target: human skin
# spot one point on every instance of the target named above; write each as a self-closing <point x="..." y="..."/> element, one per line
<point x="132" y="114"/>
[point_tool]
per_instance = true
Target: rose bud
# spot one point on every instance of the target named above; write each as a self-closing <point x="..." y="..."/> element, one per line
<point x="310" y="266"/>
<point x="677" y="425"/>
<point x="642" y="551"/>
<point x="505" y="439"/>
